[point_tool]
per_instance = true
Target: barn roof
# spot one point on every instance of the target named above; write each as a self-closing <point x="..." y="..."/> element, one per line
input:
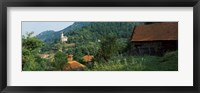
<point x="156" y="32"/>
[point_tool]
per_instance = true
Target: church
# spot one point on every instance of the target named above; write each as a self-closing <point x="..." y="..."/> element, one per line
<point x="63" y="38"/>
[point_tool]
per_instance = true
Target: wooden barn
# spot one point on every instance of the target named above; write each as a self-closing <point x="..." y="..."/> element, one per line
<point x="155" y="39"/>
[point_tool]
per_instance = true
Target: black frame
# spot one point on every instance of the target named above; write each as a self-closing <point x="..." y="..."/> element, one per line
<point x="101" y="3"/>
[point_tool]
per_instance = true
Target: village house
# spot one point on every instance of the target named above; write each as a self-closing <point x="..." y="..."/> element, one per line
<point x="155" y="39"/>
<point x="88" y="58"/>
<point x="73" y="65"/>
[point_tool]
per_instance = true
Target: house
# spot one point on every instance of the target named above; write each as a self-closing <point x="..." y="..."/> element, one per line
<point x="155" y="39"/>
<point x="87" y="58"/>
<point x="72" y="65"/>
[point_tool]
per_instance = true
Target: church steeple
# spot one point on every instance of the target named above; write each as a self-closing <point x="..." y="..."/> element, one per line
<point x="62" y="35"/>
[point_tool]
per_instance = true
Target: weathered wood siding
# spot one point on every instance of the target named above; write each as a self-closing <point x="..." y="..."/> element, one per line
<point x="154" y="47"/>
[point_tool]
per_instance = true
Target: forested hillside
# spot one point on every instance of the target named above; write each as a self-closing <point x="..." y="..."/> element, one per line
<point x="53" y="36"/>
<point x="88" y="38"/>
<point x="98" y="30"/>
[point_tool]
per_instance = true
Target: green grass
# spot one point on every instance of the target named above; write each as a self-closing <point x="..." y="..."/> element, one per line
<point x="168" y="62"/>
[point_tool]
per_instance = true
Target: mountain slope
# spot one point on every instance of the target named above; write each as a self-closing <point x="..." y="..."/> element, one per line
<point x="51" y="36"/>
<point x="98" y="30"/>
<point x="88" y="38"/>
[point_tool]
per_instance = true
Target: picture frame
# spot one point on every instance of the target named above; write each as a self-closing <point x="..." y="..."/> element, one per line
<point x="103" y="3"/>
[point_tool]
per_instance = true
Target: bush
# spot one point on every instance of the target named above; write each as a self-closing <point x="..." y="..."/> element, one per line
<point x="170" y="61"/>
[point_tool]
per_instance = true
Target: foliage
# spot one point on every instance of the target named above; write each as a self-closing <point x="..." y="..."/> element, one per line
<point x="169" y="62"/>
<point x="28" y="60"/>
<point x="60" y="60"/>
<point x="31" y="43"/>
<point x="88" y="38"/>
<point x="98" y="30"/>
<point x="30" y="54"/>
<point x="108" y="47"/>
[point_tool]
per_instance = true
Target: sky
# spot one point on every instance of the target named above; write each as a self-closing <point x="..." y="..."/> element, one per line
<point x="38" y="27"/>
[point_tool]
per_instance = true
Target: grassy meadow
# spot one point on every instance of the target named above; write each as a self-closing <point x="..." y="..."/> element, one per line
<point x="168" y="62"/>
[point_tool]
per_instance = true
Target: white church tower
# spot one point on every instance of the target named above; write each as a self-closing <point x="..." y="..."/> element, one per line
<point x="63" y="38"/>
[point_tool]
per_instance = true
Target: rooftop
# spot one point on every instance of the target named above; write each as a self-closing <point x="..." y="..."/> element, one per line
<point x="156" y="32"/>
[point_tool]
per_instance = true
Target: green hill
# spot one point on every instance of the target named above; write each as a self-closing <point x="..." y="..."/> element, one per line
<point x="51" y="36"/>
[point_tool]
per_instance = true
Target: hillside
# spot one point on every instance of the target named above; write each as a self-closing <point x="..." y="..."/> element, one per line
<point x="88" y="35"/>
<point x="98" y="30"/>
<point x="51" y="36"/>
<point x="88" y="38"/>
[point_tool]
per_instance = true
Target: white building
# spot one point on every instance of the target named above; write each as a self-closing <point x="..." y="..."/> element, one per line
<point x="63" y="38"/>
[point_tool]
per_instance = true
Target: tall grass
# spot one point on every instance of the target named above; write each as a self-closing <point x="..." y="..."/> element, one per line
<point x="168" y="62"/>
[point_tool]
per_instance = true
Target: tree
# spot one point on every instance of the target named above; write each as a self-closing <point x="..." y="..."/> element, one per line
<point x="32" y="43"/>
<point x="59" y="46"/>
<point x="60" y="60"/>
<point x="27" y="60"/>
<point x="29" y="34"/>
<point x="30" y="46"/>
<point x="30" y="64"/>
<point x="109" y="47"/>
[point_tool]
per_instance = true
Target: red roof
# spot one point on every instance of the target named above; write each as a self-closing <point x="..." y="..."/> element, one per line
<point x="87" y="58"/>
<point x="73" y="65"/>
<point x="156" y="32"/>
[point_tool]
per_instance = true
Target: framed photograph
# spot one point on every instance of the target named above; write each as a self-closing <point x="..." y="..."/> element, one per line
<point x="135" y="46"/>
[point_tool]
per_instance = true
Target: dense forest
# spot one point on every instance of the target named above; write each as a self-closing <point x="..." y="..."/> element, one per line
<point x="91" y="46"/>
